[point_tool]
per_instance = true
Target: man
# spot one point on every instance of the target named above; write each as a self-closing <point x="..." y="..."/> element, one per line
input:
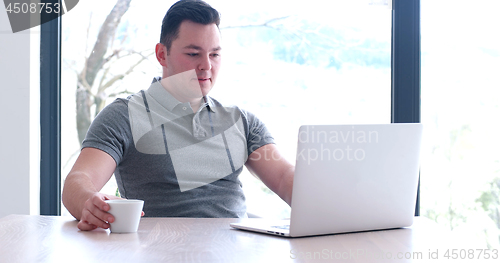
<point x="172" y="145"/>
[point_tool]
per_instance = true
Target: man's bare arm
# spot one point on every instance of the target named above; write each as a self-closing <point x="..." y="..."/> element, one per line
<point x="81" y="196"/>
<point x="274" y="171"/>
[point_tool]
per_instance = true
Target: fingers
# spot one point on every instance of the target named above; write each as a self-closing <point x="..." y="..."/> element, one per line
<point x="113" y="197"/>
<point x="98" y="201"/>
<point x="90" y="222"/>
<point x="94" y="213"/>
<point x="85" y="226"/>
<point x="93" y="218"/>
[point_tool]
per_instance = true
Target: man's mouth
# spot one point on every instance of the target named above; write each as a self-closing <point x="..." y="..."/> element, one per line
<point x="203" y="79"/>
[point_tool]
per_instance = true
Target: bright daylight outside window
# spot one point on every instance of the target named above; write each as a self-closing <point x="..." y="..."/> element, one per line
<point x="460" y="168"/>
<point x="288" y="62"/>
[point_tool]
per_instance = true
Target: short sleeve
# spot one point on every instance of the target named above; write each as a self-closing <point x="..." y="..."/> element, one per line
<point x="257" y="133"/>
<point x="110" y="130"/>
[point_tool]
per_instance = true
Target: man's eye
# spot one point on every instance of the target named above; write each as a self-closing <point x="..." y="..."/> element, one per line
<point x="192" y="54"/>
<point x="216" y="55"/>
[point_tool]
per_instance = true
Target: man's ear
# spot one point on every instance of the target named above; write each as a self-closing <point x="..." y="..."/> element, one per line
<point x="161" y="54"/>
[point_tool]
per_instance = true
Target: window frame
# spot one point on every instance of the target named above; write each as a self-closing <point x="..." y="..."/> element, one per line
<point x="50" y="113"/>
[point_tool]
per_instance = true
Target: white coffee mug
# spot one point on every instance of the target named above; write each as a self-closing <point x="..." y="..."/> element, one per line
<point x="127" y="213"/>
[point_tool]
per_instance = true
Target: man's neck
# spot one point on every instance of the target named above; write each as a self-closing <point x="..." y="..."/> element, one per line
<point x="170" y="85"/>
<point x="195" y="105"/>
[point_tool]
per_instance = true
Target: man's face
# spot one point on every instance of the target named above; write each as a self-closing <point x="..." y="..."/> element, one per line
<point x="196" y="48"/>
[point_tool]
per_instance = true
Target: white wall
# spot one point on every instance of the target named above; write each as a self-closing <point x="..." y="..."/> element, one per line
<point x="18" y="189"/>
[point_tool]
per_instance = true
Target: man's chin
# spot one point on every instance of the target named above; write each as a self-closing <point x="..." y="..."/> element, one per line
<point x="205" y="90"/>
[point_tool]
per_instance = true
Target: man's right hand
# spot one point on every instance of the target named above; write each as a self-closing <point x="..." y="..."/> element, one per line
<point x="95" y="212"/>
<point x="91" y="171"/>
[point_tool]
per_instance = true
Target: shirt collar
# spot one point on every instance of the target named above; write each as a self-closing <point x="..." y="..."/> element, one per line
<point x="210" y="104"/>
<point x="162" y="96"/>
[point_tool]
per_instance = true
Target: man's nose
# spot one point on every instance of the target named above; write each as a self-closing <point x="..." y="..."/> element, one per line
<point x="205" y="63"/>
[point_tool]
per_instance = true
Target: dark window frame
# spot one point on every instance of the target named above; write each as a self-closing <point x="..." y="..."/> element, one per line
<point x="405" y="92"/>
<point x="50" y="114"/>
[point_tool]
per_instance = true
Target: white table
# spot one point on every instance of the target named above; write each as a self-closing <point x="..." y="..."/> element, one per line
<point x="57" y="239"/>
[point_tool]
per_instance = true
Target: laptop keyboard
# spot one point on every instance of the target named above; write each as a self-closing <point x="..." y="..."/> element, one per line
<point x="287" y="227"/>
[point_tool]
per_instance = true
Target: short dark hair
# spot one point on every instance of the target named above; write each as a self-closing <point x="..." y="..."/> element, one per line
<point x="197" y="11"/>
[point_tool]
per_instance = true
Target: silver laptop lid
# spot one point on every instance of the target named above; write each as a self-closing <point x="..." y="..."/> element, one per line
<point x="355" y="178"/>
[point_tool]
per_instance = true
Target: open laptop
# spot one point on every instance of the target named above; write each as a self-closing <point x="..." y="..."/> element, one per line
<point x="350" y="178"/>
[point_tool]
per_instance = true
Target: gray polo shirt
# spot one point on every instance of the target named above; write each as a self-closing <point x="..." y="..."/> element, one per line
<point x="182" y="164"/>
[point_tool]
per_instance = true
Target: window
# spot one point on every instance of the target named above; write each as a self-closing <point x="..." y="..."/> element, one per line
<point x="460" y="171"/>
<point x="290" y="64"/>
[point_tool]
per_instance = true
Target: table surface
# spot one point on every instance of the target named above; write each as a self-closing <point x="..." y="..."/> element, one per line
<point x="57" y="239"/>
